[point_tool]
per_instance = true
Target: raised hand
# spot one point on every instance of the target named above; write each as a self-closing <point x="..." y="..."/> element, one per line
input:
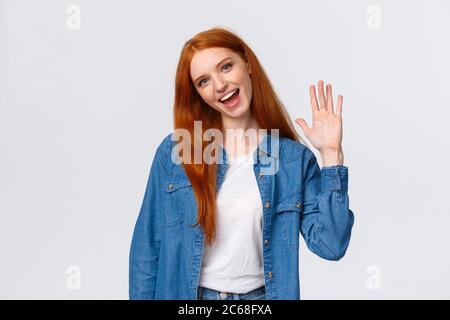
<point x="326" y="132"/>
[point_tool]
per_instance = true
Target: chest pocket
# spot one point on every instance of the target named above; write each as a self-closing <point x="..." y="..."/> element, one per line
<point x="176" y="191"/>
<point x="288" y="212"/>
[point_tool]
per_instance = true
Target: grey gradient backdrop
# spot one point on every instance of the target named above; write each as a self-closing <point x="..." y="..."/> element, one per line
<point x="82" y="111"/>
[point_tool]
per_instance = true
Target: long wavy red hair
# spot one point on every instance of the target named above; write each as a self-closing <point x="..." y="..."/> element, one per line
<point x="265" y="107"/>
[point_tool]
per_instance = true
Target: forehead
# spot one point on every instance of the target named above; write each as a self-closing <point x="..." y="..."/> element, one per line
<point x="206" y="59"/>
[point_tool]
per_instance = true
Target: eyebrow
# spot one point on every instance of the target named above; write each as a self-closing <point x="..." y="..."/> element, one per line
<point x="221" y="61"/>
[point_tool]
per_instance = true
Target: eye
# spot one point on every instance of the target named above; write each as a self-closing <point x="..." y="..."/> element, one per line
<point x="227" y="64"/>
<point x="225" y="67"/>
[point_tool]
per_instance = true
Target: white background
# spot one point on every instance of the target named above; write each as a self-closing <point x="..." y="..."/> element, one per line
<point x="83" y="110"/>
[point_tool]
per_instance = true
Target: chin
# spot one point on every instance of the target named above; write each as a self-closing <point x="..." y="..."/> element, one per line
<point x="239" y="111"/>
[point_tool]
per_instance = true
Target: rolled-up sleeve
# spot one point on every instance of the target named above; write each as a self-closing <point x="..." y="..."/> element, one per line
<point x="327" y="220"/>
<point x="145" y="244"/>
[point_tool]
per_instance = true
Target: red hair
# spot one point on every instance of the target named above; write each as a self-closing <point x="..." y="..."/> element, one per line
<point x="265" y="107"/>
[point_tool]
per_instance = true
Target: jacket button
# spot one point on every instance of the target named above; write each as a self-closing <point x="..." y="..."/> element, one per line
<point x="266" y="242"/>
<point x="270" y="274"/>
<point x="267" y="204"/>
<point x="170" y="186"/>
<point x="260" y="174"/>
<point x="298" y="204"/>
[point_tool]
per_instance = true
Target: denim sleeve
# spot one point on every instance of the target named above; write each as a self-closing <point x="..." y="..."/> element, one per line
<point x="327" y="221"/>
<point x="145" y="244"/>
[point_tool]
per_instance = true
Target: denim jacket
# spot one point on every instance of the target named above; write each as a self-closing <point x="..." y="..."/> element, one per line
<point x="298" y="197"/>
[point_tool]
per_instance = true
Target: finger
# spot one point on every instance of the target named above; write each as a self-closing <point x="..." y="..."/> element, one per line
<point x="329" y="99"/>
<point x="322" y="99"/>
<point x="340" y="101"/>
<point x="313" y="98"/>
<point x="302" y="123"/>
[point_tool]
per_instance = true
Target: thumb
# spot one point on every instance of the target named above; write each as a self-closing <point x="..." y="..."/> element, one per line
<point x="302" y="123"/>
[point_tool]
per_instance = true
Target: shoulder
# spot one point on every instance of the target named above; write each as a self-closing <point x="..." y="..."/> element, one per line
<point x="164" y="154"/>
<point x="164" y="146"/>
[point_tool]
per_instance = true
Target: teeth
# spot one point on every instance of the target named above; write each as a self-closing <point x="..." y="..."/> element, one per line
<point x="228" y="95"/>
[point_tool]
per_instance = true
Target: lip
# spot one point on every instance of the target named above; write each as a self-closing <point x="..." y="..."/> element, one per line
<point x="236" y="103"/>
<point x="226" y="94"/>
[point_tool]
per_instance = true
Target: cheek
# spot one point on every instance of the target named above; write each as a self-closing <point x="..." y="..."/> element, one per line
<point x="205" y="95"/>
<point x="208" y="97"/>
<point x="248" y="87"/>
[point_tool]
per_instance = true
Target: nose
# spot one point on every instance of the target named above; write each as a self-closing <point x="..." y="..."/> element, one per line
<point x="220" y="84"/>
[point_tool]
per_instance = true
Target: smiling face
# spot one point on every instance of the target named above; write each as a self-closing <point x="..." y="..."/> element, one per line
<point x="218" y="72"/>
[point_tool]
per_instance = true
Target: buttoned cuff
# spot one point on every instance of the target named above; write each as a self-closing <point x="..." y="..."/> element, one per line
<point x="334" y="178"/>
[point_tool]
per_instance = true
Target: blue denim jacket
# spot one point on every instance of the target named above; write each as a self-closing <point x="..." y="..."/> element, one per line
<point x="166" y="251"/>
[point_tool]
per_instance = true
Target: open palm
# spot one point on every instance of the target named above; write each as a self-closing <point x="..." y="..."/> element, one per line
<point x="326" y="131"/>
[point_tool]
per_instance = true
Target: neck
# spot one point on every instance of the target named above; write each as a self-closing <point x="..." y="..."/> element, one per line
<point x="242" y="123"/>
<point x="243" y="135"/>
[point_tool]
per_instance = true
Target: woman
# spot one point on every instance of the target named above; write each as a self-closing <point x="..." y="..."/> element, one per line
<point x="221" y="219"/>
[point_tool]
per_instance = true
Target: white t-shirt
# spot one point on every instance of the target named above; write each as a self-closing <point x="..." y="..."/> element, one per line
<point x="234" y="263"/>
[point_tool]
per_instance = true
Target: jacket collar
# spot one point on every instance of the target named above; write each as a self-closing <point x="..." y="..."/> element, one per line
<point x="270" y="146"/>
